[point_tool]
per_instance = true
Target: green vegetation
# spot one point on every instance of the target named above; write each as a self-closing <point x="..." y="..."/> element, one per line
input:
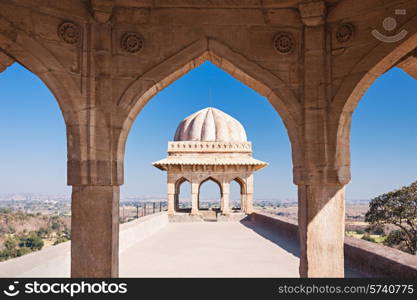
<point x="370" y="237"/>
<point x="22" y="233"/>
<point x="398" y="208"/>
<point x="20" y="245"/>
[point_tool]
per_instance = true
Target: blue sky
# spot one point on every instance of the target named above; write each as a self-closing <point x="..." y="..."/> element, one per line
<point x="33" y="142"/>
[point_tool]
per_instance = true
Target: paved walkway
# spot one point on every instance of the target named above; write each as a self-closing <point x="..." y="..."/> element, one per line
<point x="210" y="249"/>
<point x="195" y="249"/>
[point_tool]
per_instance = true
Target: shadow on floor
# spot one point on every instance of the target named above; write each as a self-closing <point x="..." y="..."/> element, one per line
<point x="290" y="245"/>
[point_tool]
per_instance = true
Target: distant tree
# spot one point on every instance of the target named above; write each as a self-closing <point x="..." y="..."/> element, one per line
<point x="55" y="226"/>
<point x="368" y="237"/>
<point x="11" y="243"/>
<point x="398" y="208"/>
<point x="11" y="229"/>
<point x="43" y="232"/>
<point x="32" y="241"/>
<point x="23" y="250"/>
<point x="375" y="229"/>
<point x="61" y="239"/>
<point x="395" y="238"/>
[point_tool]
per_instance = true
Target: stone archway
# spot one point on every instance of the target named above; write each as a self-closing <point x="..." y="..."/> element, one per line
<point x="267" y="84"/>
<point x="219" y="185"/>
<point x="343" y="107"/>
<point x="243" y="192"/>
<point x="178" y="185"/>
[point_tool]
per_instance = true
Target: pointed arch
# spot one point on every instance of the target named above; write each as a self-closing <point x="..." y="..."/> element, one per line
<point x="213" y="180"/>
<point x="242" y="184"/>
<point x="34" y="56"/>
<point x="178" y="184"/>
<point x="281" y="97"/>
<point x="355" y="87"/>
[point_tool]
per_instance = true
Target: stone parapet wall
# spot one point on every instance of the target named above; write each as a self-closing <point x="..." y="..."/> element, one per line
<point x="369" y="258"/>
<point x="55" y="261"/>
<point x="140" y="229"/>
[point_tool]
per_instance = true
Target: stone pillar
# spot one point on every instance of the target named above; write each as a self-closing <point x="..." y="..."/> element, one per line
<point x="318" y="174"/>
<point x="171" y="196"/>
<point x="249" y="195"/>
<point x="176" y="202"/>
<point x="321" y="219"/>
<point x="225" y="198"/>
<point x="95" y="231"/>
<point x="243" y="202"/>
<point x="194" y="198"/>
<point x="171" y="203"/>
<point x="249" y="203"/>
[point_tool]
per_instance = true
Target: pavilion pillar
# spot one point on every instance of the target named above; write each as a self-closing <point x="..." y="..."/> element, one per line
<point x="249" y="195"/>
<point x="171" y="203"/>
<point x="225" y="198"/>
<point x="321" y="219"/>
<point x="176" y="202"/>
<point x="95" y="231"/>
<point x="171" y="196"/>
<point x="243" y="202"/>
<point x="194" y="198"/>
<point x="249" y="203"/>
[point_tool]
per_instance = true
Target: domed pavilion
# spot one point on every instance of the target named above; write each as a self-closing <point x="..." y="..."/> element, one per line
<point x="210" y="145"/>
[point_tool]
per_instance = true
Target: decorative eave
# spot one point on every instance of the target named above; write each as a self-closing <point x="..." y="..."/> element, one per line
<point x="163" y="164"/>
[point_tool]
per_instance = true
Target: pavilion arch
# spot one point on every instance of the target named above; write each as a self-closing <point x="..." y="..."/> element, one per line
<point x="217" y="182"/>
<point x="343" y="107"/>
<point x="243" y="191"/>
<point x="281" y="97"/>
<point x="178" y="184"/>
<point x="241" y="183"/>
<point x="210" y="178"/>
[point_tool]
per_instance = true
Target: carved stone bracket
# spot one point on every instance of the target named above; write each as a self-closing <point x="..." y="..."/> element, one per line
<point x="313" y="13"/>
<point x="102" y="10"/>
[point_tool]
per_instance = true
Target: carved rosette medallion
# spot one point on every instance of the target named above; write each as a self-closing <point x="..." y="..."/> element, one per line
<point x="344" y="32"/>
<point x="284" y="42"/>
<point x="69" y="32"/>
<point x="132" y="42"/>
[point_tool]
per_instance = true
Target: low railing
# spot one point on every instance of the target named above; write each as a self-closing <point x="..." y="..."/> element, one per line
<point x="129" y="212"/>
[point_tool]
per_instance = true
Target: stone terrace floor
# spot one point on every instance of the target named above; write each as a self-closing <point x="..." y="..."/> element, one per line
<point x="194" y="249"/>
<point x="212" y="249"/>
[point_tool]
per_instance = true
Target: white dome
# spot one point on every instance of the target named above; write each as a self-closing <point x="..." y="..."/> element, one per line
<point x="210" y="125"/>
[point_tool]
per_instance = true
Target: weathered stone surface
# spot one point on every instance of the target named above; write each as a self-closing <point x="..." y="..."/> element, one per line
<point x="95" y="231"/>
